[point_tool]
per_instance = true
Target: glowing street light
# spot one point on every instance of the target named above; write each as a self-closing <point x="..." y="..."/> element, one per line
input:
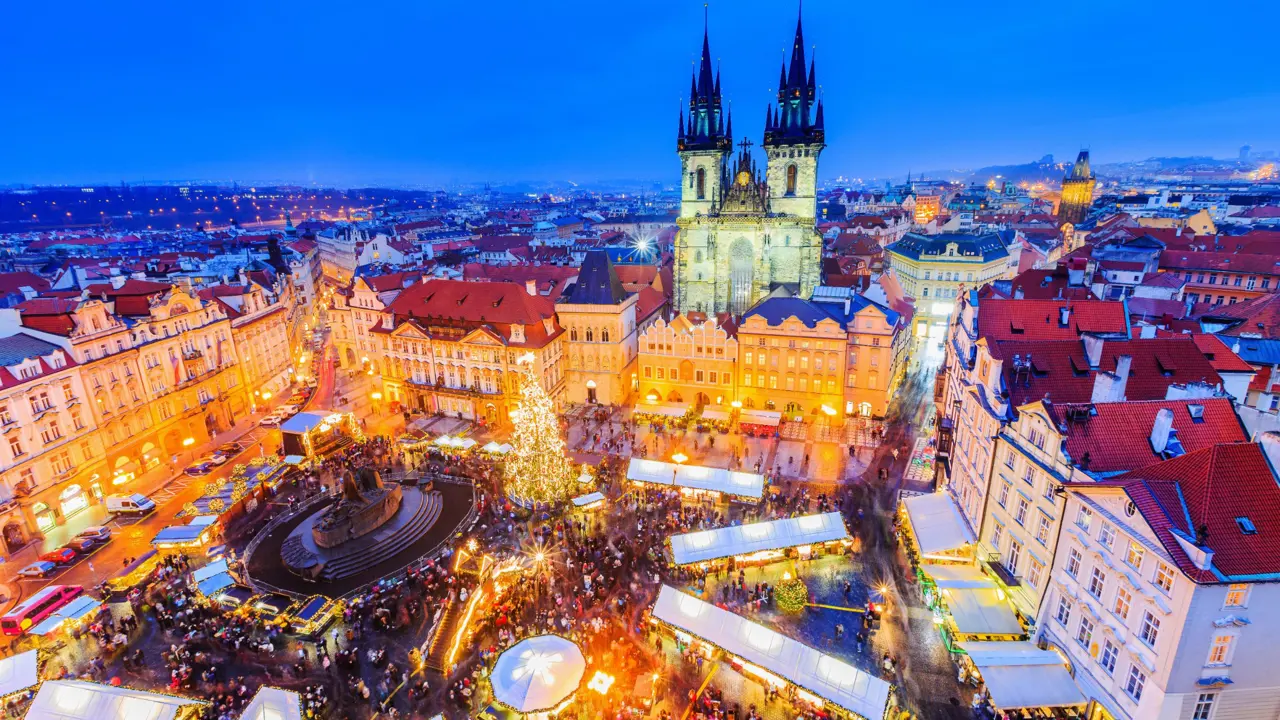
<point x="600" y="682"/>
<point x="188" y="442"/>
<point x="680" y="458"/>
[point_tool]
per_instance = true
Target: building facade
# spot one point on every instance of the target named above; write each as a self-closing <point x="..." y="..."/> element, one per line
<point x="689" y="362"/>
<point x="1077" y="192"/>
<point x="935" y="269"/>
<point x="599" y="317"/>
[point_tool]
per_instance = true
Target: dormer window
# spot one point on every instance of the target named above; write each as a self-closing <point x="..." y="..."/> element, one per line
<point x="517" y="333"/>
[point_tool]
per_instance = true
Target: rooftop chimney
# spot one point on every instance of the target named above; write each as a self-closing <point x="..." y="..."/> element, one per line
<point x="1160" y="430"/>
<point x="118" y="281"/>
<point x="531" y="287"/>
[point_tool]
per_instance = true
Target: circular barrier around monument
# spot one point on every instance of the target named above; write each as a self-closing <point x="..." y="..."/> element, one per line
<point x="431" y="517"/>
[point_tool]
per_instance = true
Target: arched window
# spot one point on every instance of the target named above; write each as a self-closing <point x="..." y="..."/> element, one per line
<point x="697" y="256"/>
<point x="604" y="335"/>
<point x="702" y="184"/>
<point x="589" y="335"/>
<point x="573" y="334"/>
<point x="791" y="179"/>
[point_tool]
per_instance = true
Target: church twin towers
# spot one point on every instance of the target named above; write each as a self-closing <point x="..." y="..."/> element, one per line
<point x="744" y="234"/>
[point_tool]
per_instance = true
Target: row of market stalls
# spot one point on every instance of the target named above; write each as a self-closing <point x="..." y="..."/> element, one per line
<point x="698" y="481"/>
<point x="762" y="542"/>
<point x="707" y="417"/>
<point x="82" y="700"/>
<point x="985" y="635"/>
<point x="805" y="674"/>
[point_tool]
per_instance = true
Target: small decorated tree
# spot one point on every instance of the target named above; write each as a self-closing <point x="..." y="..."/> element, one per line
<point x="536" y="469"/>
<point x="791" y="595"/>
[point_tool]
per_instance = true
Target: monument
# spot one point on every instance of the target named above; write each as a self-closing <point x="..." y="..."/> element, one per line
<point x="365" y="506"/>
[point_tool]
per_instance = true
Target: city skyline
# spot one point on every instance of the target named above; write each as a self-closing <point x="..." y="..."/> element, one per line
<point x="583" y="93"/>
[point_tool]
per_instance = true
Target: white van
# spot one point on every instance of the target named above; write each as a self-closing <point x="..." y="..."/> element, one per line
<point x="134" y="503"/>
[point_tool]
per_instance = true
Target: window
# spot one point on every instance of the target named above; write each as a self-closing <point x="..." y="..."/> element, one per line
<point x="1021" y="514"/>
<point x="1108" y="657"/>
<point x="1084" y="634"/>
<point x="1073" y="562"/>
<point x="1029" y="476"/>
<point x="1164" y="577"/>
<point x="1204" y="707"/>
<point x="1097" y="581"/>
<point x="996" y="536"/>
<point x="791" y="179"/>
<point x="15" y="447"/>
<point x="1003" y="499"/>
<point x="1042" y="530"/>
<point x="1015" y="553"/>
<point x="1237" y="595"/>
<point x="1134" y="556"/>
<point x="1084" y="518"/>
<point x="1136" y="680"/>
<point x="1035" y="572"/>
<point x="746" y="379"/>
<point x="1150" y="628"/>
<point x="702" y="184"/>
<point x="648" y="371"/>
<point x="1107" y="535"/>
<point x="1124" y="600"/>
<point x="1063" y="616"/>
<point x="1220" y="650"/>
<point x="662" y="373"/>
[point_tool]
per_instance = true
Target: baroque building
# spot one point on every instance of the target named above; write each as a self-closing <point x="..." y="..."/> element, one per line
<point x="741" y="235"/>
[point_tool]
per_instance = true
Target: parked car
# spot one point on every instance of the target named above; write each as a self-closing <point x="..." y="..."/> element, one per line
<point x="80" y="545"/>
<point x="217" y="458"/>
<point x="39" y="569"/>
<point x="200" y="468"/>
<point x="62" y="556"/>
<point x="231" y="449"/>
<point x="289" y="410"/>
<point x="270" y="421"/>
<point x="95" y="533"/>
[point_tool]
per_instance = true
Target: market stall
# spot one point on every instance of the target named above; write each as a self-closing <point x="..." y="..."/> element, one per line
<point x="538" y="674"/>
<point x="933" y="531"/>
<point x="713" y="419"/>
<point x="74" y="613"/>
<point x="820" y="680"/>
<point x="968" y="605"/>
<point x="759" y="423"/>
<point x="213" y="578"/>
<point x="662" y="415"/>
<point x="1021" y="679"/>
<point x="191" y="538"/>
<point x="761" y="542"/>
<point x="80" y="700"/>
<point x="318" y="433"/>
<point x="588" y="502"/>
<point x="19" y="672"/>
<point x="698" y="482"/>
<point x="271" y="703"/>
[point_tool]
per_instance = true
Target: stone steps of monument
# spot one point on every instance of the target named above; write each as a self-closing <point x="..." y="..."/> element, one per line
<point x="443" y="637"/>
<point x="427" y="513"/>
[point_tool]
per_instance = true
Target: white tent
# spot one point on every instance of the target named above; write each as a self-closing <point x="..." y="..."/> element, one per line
<point x="760" y="417"/>
<point x="831" y="679"/>
<point x="716" y="415"/>
<point x="699" y="477"/>
<point x="756" y="537"/>
<point x="651" y="471"/>
<point x="215" y="584"/>
<point x="74" y="610"/>
<point x="491" y="447"/>
<point x="444" y="441"/>
<point x="665" y="410"/>
<point x="537" y="673"/>
<point x="588" y="499"/>
<point x="18" y="672"/>
<point x="78" y="700"/>
<point x="273" y="704"/>
<point x="1021" y="675"/>
<point x="937" y="523"/>
<point x="976" y="603"/>
<point x="214" y="568"/>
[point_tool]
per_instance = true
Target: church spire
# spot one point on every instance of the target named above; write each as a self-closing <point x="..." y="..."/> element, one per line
<point x="705" y="129"/>
<point x="797" y="91"/>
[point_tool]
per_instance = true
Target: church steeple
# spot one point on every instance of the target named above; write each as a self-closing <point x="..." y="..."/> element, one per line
<point x="797" y="92"/>
<point x="705" y="129"/>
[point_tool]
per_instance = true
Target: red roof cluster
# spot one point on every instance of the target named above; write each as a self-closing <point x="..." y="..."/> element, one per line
<point x="472" y="305"/>
<point x="1028" y="319"/>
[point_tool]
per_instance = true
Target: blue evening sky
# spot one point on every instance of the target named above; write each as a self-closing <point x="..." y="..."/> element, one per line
<point x="407" y="92"/>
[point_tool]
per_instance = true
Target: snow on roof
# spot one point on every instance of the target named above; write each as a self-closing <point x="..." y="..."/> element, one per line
<point x="754" y="537"/>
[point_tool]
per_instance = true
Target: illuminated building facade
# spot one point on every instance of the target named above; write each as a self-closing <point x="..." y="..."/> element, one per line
<point x="934" y="269"/>
<point x="1077" y="192"/>
<point x="689" y="361"/>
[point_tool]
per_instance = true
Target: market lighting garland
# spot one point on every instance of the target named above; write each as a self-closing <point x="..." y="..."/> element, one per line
<point x="537" y="470"/>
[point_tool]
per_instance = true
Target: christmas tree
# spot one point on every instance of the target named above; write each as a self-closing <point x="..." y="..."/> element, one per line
<point x="537" y="470"/>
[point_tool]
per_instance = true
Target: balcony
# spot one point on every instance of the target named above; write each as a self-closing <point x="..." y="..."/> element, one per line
<point x="1002" y="573"/>
<point x="192" y="353"/>
<point x="440" y="387"/>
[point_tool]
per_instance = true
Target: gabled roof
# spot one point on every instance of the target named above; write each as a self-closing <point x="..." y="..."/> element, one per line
<point x="1258" y="317"/>
<point x="1212" y="490"/>
<point x="1220" y="262"/>
<point x="597" y="283"/>
<point x="12" y="282"/>
<point x="1116" y="436"/>
<point x="461" y="304"/>
<point x="776" y="310"/>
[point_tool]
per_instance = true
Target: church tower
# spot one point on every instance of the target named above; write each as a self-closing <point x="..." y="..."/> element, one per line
<point x="793" y="137"/>
<point x="1077" y="192"/>
<point x="704" y="141"/>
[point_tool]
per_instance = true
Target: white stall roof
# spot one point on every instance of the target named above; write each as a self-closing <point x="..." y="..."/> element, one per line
<point x="589" y="498"/>
<point x="215" y="584"/>
<point x="78" y="700"/>
<point x="303" y="422"/>
<point x="537" y="673"/>
<point x="203" y="520"/>
<point x="829" y="678"/>
<point x="958" y="576"/>
<point x="273" y="704"/>
<point x="651" y="471"/>
<point x="981" y="611"/>
<point x="178" y="533"/>
<point x="18" y="672"/>
<point x="713" y="414"/>
<point x="760" y="417"/>
<point x="700" y="477"/>
<point x="1021" y="675"/>
<point x="937" y="524"/>
<point x="664" y="409"/>
<point x="74" y="610"/>
<point x="214" y="568"/>
<point x="746" y="539"/>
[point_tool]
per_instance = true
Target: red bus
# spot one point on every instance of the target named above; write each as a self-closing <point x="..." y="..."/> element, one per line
<point x="38" y="607"/>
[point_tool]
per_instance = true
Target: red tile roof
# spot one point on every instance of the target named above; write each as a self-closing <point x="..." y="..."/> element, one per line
<point x="1220" y="262"/>
<point x="1041" y="319"/>
<point x="1219" y="355"/>
<point x="471" y="305"/>
<point x="1117" y="436"/>
<point x="12" y="282"/>
<point x="1259" y="316"/>
<point x="1209" y="489"/>
<point x="1061" y="370"/>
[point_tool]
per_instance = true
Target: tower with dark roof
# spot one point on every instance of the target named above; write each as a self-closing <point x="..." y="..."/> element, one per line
<point x="1077" y="192"/>
<point x="794" y="136"/>
<point x="704" y="138"/>
<point x="601" y="324"/>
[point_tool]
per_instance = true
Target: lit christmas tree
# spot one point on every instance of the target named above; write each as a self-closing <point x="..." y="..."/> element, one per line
<point x="537" y="470"/>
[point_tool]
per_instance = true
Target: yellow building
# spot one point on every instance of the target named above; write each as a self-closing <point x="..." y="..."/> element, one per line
<point x="600" y="318"/>
<point x="934" y="269"/>
<point x="792" y="357"/>
<point x="689" y="360"/>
